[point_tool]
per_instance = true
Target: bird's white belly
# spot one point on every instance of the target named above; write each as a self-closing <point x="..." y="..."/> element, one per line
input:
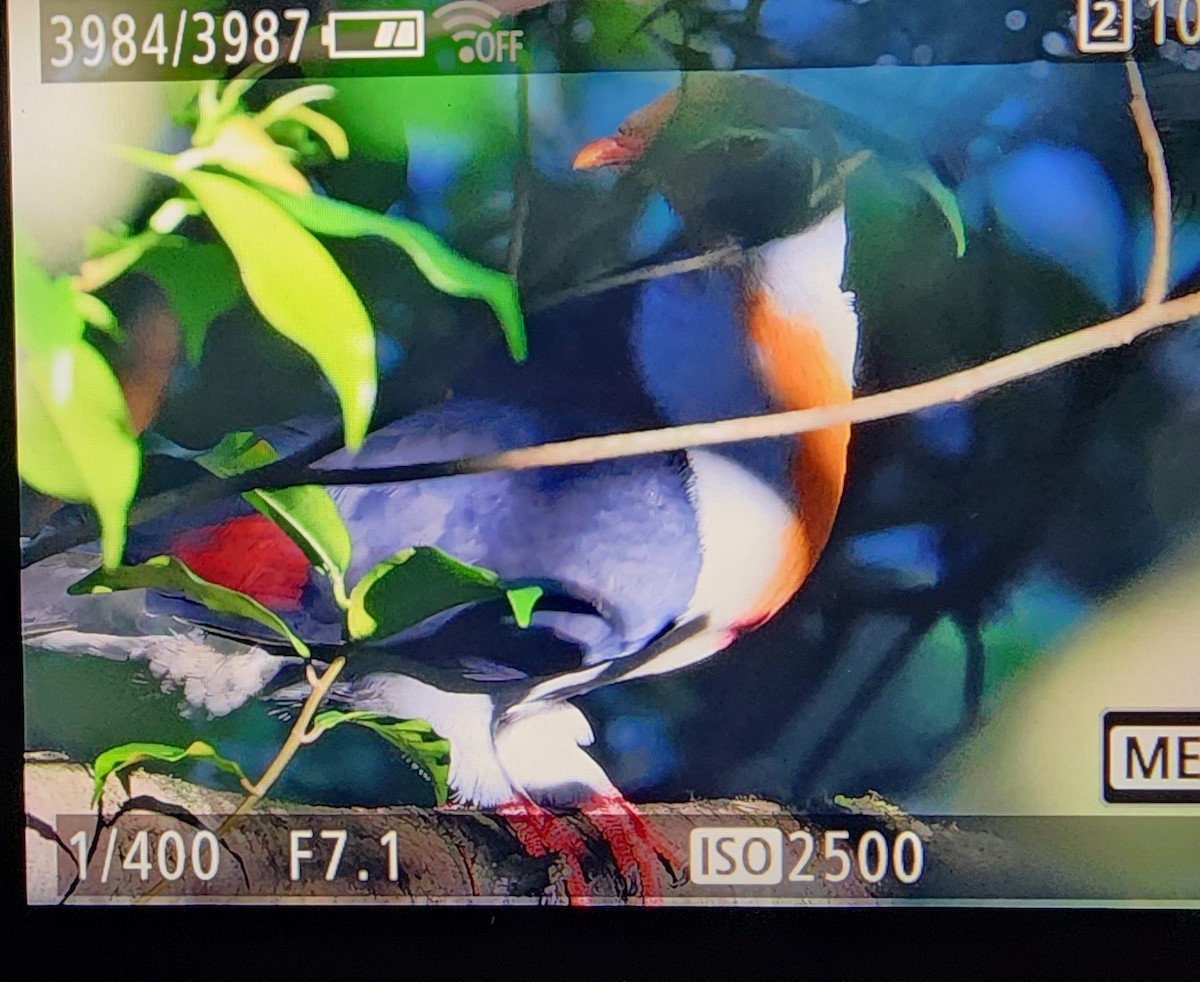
<point x="465" y="719"/>
<point x="744" y="525"/>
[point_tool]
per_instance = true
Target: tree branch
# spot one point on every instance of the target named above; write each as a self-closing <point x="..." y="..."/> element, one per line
<point x="298" y="736"/>
<point x="443" y="854"/>
<point x="1158" y="280"/>
<point x="658" y="271"/>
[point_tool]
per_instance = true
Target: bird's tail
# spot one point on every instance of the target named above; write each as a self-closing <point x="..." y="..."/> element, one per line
<point x="215" y="673"/>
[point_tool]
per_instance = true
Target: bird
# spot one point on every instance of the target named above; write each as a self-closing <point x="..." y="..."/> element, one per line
<point x="648" y="564"/>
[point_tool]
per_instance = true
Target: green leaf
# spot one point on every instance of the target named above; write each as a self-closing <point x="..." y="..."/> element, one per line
<point x="311" y="520"/>
<point x="947" y="204"/>
<point x="111" y="255"/>
<point x="241" y="147"/>
<point x="306" y="513"/>
<point x="170" y="215"/>
<point x="283" y="106"/>
<point x="445" y="269"/>
<point x="237" y="453"/>
<point x="297" y="287"/>
<point x="201" y="282"/>
<point x="99" y="315"/>
<point x="169" y="574"/>
<point x="294" y="106"/>
<point x="48" y="317"/>
<point x="412" y="586"/>
<point x="231" y="96"/>
<point x="324" y="127"/>
<point x="99" y="241"/>
<point x="128" y="754"/>
<point x="181" y="102"/>
<point x="414" y="738"/>
<point x="523" y="600"/>
<point x="75" y="440"/>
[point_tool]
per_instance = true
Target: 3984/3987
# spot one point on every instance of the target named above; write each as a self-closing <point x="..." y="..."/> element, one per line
<point x="756" y="856"/>
<point x="128" y="38"/>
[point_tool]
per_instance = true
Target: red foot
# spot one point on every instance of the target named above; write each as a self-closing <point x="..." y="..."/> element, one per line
<point x="642" y="853"/>
<point x="645" y="858"/>
<point x="541" y="833"/>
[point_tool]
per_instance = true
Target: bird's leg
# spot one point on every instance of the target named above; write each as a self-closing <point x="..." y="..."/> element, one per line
<point x="643" y="854"/>
<point x="542" y="833"/>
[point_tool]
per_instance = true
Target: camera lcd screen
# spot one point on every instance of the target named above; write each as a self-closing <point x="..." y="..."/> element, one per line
<point x="608" y="452"/>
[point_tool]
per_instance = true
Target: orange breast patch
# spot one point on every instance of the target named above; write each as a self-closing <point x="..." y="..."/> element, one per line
<point x="800" y="373"/>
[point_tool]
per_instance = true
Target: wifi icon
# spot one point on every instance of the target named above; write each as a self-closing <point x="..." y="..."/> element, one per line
<point x="469" y="23"/>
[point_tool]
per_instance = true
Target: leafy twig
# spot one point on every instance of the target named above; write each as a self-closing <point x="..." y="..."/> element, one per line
<point x="319" y="688"/>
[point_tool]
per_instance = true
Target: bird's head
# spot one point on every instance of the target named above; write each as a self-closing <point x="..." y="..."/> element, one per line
<point x="736" y="157"/>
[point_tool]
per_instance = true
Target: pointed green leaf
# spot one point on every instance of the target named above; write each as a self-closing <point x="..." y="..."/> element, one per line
<point x="181" y="99"/>
<point x="523" y="600"/>
<point x="324" y="127"/>
<point x="947" y="204"/>
<point x="294" y="106"/>
<point x="297" y="287"/>
<point x="445" y="269"/>
<point x="283" y="106"/>
<point x="236" y="453"/>
<point x="169" y="574"/>
<point x="99" y="241"/>
<point x="412" y="586"/>
<point x="311" y="520"/>
<point x="427" y="752"/>
<point x="127" y="754"/>
<point x="98" y="315"/>
<point x="48" y="317"/>
<point x="233" y="92"/>
<point x="75" y="440"/>
<point x="171" y="214"/>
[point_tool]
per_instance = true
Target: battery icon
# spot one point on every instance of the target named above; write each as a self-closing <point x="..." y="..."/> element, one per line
<point x="375" y="34"/>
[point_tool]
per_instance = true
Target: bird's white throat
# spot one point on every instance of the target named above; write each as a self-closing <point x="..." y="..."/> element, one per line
<point x="803" y="275"/>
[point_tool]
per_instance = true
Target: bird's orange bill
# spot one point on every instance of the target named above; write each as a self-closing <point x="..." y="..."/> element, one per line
<point x="618" y="150"/>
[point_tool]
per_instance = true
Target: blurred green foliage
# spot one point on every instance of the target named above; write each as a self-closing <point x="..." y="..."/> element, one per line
<point x="74" y="436"/>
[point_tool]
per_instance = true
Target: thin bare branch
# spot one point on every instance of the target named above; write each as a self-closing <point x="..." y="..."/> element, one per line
<point x="706" y="260"/>
<point x="521" y="180"/>
<point x="955" y="387"/>
<point x="1158" y="279"/>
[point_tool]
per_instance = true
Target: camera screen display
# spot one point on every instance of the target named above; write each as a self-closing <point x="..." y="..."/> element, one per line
<point x="608" y="452"/>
